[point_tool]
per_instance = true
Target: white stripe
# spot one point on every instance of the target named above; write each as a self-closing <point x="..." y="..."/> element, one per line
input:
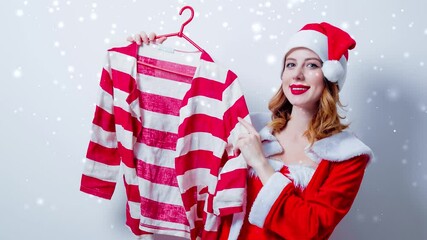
<point x="101" y="171"/>
<point x="164" y="53"/>
<point x="231" y="94"/>
<point x="104" y="138"/>
<point x="236" y="224"/>
<point x="120" y="100"/>
<point x="156" y="156"/>
<point x="212" y="71"/>
<point x="234" y="164"/>
<point x="134" y="209"/>
<point x="234" y="135"/>
<point x="125" y="137"/>
<point x="202" y="105"/>
<point x="161" y="122"/>
<point x="266" y="197"/>
<point x="105" y="101"/>
<point x="130" y="175"/>
<point x="200" y="141"/>
<point x="123" y="63"/>
<point x="212" y="222"/>
<point x="203" y="176"/>
<point x="228" y="198"/>
<point x="162" y="87"/>
<point x="160" y="193"/>
<point x="135" y="212"/>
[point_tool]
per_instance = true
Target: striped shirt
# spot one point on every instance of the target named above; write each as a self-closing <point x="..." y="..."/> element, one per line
<point x="169" y="120"/>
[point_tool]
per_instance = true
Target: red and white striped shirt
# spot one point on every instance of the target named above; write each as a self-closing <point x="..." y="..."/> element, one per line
<point x="172" y="134"/>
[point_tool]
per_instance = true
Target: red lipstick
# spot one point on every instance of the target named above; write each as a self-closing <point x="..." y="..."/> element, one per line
<point x="297" y="89"/>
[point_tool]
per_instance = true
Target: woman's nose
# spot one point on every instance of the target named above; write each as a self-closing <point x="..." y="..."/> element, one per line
<point x="298" y="74"/>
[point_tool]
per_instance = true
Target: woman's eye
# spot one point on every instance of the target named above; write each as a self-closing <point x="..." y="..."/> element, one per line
<point x="312" y="65"/>
<point x="289" y="65"/>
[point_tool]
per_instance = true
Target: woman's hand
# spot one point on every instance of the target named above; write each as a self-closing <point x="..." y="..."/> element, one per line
<point x="142" y="37"/>
<point x="249" y="145"/>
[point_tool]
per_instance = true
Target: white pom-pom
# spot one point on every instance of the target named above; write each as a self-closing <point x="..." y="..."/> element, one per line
<point x="333" y="70"/>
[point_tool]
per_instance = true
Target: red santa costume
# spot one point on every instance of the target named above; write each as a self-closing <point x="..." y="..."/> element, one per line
<point x="300" y="202"/>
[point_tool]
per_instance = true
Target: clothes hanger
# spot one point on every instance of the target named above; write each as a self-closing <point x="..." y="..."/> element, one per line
<point x="177" y="34"/>
<point x="181" y="31"/>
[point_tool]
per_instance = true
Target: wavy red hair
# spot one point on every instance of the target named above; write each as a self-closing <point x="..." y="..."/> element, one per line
<point x="325" y="122"/>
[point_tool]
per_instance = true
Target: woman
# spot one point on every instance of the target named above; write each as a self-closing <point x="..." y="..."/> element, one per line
<point x="305" y="169"/>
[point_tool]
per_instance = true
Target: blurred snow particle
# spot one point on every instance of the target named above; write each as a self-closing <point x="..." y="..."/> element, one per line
<point x="414" y="184"/>
<point x="376" y="218"/>
<point x="106" y="40"/>
<point x="94" y="5"/>
<point x="393" y="15"/>
<point x="19" y="13"/>
<point x="421" y="64"/>
<point x="219" y="8"/>
<point x="369" y="100"/>
<point x="58" y="119"/>
<point x="406" y="55"/>
<point x="344" y="25"/>
<point x="56" y="44"/>
<point x="61" y="24"/>
<point x="70" y="69"/>
<point x="323" y="13"/>
<point x="392" y="94"/>
<point x="81" y="19"/>
<point x="423" y="108"/>
<point x="271" y="59"/>
<point x="55" y="3"/>
<point x="256" y="27"/>
<point x="405" y="147"/>
<point x="40" y="201"/>
<point x="225" y="24"/>
<point x="411" y="24"/>
<point x="273" y="89"/>
<point x="357" y="22"/>
<point x="425" y="31"/>
<point x="404" y="161"/>
<point x="93" y="16"/>
<point x="17" y="73"/>
<point x="257" y="37"/>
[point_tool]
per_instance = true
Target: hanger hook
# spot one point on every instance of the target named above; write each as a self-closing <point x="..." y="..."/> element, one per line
<point x="186" y="22"/>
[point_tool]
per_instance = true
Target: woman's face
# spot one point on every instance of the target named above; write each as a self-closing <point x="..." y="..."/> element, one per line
<point x="302" y="78"/>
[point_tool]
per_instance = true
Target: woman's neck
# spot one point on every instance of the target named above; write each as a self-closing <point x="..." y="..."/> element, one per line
<point x="299" y="121"/>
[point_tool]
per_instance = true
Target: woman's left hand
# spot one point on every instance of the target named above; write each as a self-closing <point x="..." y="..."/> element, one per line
<point x="249" y="144"/>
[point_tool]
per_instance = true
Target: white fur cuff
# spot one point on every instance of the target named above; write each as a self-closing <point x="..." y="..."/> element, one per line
<point x="266" y="198"/>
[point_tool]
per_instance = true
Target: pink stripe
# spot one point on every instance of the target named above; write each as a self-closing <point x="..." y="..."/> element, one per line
<point x="158" y="139"/>
<point x="157" y="174"/>
<point x="104" y="119"/>
<point x="163" y="211"/>
<point x="106" y="83"/>
<point x="97" y="187"/>
<point x="160" y="104"/>
<point x="175" y="67"/>
<point x="101" y="154"/>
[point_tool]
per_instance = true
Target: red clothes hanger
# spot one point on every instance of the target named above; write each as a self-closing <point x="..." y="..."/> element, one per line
<point x="181" y="31"/>
<point x="177" y="34"/>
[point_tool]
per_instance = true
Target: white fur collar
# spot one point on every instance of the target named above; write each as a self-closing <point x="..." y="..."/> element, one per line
<point x="338" y="147"/>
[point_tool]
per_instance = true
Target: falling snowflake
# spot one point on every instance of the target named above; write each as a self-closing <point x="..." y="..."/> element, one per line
<point x="271" y="59"/>
<point x="19" y="12"/>
<point x="17" y="73"/>
<point x="40" y="201"/>
<point x="256" y="27"/>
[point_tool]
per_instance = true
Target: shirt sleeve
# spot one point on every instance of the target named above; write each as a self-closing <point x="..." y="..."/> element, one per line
<point x="230" y="192"/>
<point x="114" y="127"/>
<point x="280" y="209"/>
<point x="102" y="158"/>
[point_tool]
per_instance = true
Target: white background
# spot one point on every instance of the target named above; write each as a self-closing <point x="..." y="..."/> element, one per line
<point x="52" y="53"/>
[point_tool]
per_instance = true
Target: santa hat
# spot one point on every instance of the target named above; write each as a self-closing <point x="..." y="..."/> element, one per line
<point x="330" y="43"/>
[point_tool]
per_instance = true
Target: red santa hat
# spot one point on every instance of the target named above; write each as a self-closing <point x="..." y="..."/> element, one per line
<point x="330" y="43"/>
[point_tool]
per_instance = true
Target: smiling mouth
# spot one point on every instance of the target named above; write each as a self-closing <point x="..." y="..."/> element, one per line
<point x="298" y="89"/>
